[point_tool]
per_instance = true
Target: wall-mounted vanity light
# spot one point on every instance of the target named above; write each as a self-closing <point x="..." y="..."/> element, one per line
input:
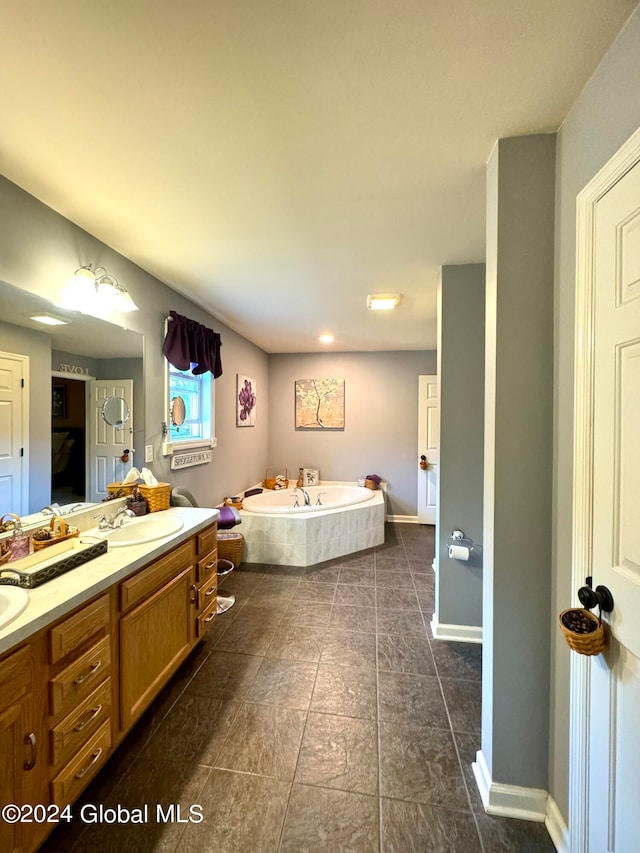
<point x="95" y="291"/>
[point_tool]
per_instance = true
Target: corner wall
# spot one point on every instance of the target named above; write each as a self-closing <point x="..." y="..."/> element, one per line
<point x="518" y="460"/>
<point x="461" y="310"/>
<point x="381" y="419"/>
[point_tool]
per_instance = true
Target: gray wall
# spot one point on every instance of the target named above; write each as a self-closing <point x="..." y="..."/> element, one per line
<point x="381" y="419"/>
<point x="518" y="460"/>
<point x="602" y="119"/>
<point x="39" y="251"/>
<point x="461" y="310"/>
<point x="37" y="346"/>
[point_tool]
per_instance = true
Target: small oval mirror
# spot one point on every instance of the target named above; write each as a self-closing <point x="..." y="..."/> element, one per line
<point x="115" y="411"/>
<point x="178" y="411"/>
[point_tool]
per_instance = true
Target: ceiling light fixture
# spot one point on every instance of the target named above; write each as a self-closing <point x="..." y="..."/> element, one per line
<point x="48" y="320"/>
<point x="326" y="339"/>
<point x="383" y="301"/>
<point x="94" y="291"/>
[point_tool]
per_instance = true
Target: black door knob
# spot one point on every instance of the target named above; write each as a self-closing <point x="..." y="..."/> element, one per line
<point x="600" y="596"/>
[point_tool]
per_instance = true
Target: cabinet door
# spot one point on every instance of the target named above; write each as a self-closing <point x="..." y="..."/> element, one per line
<point x="155" y="638"/>
<point x="14" y="752"/>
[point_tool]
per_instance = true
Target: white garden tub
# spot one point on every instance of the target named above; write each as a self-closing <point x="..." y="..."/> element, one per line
<point x="321" y="499"/>
<point x="348" y="519"/>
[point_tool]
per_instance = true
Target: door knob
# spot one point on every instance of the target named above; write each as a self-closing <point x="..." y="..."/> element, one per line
<point x="600" y="596"/>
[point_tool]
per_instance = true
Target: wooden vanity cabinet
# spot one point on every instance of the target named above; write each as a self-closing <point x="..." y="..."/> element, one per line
<point x="69" y="695"/>
<point x="23" y="776"/>
<point x="158" y="632"/>
<point x="206" y="589"/>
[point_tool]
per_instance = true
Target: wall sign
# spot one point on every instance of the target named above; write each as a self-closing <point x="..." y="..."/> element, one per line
<point x="187" y="460"/>
<point x="73" y="368"/>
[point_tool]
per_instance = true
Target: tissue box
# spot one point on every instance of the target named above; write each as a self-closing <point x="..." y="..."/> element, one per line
<point x="117" y="490"/>
<point x="158" y="497"/>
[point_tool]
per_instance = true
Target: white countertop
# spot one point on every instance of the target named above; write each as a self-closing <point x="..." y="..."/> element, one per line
<point x="54" y="599"/>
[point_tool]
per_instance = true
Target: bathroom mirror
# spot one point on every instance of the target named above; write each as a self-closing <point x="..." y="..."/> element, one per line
<point x="59" y="448"/>
<point x="178" y="411"/>
<point x="115" y="412"/>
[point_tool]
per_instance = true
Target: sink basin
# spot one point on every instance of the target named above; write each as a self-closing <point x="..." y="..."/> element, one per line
<point x="142" y="530"/>
<point x="13" y="600"/>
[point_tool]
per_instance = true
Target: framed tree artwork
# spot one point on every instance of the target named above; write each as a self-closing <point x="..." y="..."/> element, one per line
<point x="319" y="404"/>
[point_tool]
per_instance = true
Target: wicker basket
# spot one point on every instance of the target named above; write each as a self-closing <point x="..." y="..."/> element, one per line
<point x="158" y="497"/>
<point x="118" y="490"/>
<point x="591" y="643"/>
<point x="58" y="531"/>
<point x="230" y="546"/>
<point x="371" y="484"/>
<point x="274" y="478"/>
<point x="236" y="502"/>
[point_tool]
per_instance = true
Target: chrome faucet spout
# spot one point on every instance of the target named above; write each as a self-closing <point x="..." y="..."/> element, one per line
<point x="305" y="494"/>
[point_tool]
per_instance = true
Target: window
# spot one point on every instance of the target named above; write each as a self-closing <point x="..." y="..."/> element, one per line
<point x="190" y="411"/>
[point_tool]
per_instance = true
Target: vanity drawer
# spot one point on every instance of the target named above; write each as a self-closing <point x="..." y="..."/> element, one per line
<point x="207" y="567"/>
<point x="77" y="629"/>
<point x="206" y="590"/>
<point x="141" y="586"/>
<point x="15" y="677"/>
<point x="78" y="679"/>
<point x="71" y="732"/>
<point x="207" y="539"/>
<point x="83" y="767"/>
<point x="206" y="618"/>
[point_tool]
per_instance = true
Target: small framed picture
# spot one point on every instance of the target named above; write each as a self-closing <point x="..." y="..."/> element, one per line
<point x="310" y="476"/>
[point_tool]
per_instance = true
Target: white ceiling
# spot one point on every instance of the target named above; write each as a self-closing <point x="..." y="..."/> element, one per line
<point x="278" y="160"/>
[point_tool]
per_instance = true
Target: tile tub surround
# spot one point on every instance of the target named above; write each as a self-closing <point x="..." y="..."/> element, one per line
<point x="299" y="741"/>
<point x="308" y="538"/>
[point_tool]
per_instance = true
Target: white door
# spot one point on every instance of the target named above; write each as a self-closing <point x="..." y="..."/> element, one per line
<point x="14" y="424"/>
<point x="107" y="444"/>
<point x="614" y="720"/>
<point x="428" y="446"/>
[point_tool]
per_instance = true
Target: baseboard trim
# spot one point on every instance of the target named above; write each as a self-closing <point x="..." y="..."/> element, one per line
<point x="455" y="633"/>
<point x="534" y="804"/>
<point x="403" y="519"/>
<point x="509" y="800"/>
<point x="556" y="826"/>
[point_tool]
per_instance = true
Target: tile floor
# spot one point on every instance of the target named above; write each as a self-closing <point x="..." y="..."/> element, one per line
<point x="318" y="715"/>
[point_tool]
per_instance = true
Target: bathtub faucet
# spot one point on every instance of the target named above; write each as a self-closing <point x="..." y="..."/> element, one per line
<point x="305" y="493"/>
<point x="319" y="502"/>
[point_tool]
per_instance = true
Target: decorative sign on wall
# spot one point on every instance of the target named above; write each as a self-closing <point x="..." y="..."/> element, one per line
<point x="246" y="401"/>
<point x="73" y="368"/>
<point x="319" y="403"/>
<point x="188" y="460"/>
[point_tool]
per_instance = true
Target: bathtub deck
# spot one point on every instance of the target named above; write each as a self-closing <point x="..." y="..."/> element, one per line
<point x="308" y="538"/>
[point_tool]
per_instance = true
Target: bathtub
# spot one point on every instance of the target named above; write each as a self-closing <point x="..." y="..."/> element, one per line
<point x="350" y="519"/>
<point x="330" y="497"/>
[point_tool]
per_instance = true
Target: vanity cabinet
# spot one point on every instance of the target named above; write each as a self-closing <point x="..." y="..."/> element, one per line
<point x="70" y="694"/>
<point x="80" y="694"/>
<point x="157" y="629"/>
<point x="23" y="770"/>
<point x="206" y="587"/>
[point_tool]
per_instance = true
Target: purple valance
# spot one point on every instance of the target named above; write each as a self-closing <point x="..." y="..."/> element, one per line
<point x="188" y="342"/>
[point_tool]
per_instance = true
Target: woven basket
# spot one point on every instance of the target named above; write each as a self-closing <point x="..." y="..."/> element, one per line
<point x="158" y="497"/>
<point x="234" y="502"/>
<point x="117" y="490"/>
<point x="270" y="481"/>
<point x="371" y="484"/>
<point x="58" y="531"/>
<point x="230" y="546"/>
<point x="591" y="643"/>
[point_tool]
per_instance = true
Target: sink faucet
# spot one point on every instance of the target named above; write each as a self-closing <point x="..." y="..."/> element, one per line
<point x="116" y="520"/>
<point x="305" y="494"/>
<point x="51" y="509"/>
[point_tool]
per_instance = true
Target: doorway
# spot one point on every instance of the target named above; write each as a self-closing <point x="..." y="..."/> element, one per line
<point x="68" y="440"/>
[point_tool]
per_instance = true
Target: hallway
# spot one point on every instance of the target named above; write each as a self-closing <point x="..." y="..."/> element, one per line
<point x="318" y="715"/>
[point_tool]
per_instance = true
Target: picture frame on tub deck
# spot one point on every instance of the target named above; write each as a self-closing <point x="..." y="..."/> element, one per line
<point x="310" y="477"/>
<point x="246" y="401"/>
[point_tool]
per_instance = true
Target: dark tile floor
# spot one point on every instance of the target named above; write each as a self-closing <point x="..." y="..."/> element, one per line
<point x="318" y="715"/>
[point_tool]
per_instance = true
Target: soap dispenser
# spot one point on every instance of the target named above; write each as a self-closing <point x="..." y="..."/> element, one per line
<point x="300" y="482"/>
